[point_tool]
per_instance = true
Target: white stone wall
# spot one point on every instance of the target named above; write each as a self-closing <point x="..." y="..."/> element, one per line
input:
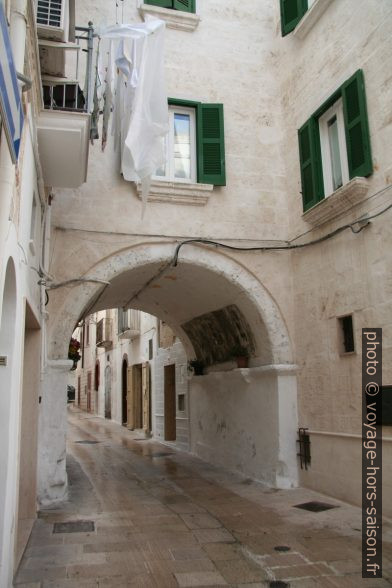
<point x="21" y="307"/>
<point x="348" y="274"/>
<point x="269" y="86"/>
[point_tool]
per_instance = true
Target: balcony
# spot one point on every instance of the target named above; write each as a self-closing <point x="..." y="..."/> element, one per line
<point x="63" y="126"/>
<point x="104" y="336"/>
<point x="128" y="324"/>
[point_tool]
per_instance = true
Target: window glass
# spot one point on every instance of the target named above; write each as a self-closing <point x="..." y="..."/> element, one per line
<point x="333" y="148"/>
<point x="337" y="178"/>
<point x="182" y="146"/>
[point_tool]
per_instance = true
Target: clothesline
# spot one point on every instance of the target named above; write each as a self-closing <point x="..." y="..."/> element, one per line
<point x="130" y="89"/>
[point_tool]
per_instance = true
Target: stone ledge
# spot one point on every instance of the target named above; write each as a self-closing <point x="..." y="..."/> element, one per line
<point x="310" y="18"/>
<point x="178" y="193"/>
<point x="175" y="19"/>
<point x="340" y="201"/>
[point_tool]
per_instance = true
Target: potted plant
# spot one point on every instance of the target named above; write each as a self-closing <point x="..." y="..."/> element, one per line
<point x="197" y="366"/>
<point x="73" y="352"/>
<point x="241" y="355"/>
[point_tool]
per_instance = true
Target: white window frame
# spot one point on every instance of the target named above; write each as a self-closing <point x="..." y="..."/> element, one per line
<point x="170" y="169"/>
<point x="335" y="110"/>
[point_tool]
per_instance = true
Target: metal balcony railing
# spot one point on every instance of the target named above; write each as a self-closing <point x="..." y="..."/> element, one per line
<point x="67" y="94"/>
<point x="104" y="336"/>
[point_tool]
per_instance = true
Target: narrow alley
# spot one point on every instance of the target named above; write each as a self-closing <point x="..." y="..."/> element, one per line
<point x="142" y="514"/>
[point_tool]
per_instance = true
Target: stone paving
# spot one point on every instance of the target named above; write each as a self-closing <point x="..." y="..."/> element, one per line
<point x="163" y="518"/>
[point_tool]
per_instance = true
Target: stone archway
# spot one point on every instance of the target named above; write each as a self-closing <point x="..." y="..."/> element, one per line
<point x="147" y="268"/>
<point x="249" y="416"/>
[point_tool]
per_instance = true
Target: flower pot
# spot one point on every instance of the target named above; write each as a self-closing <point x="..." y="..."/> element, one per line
<point x="242" y="361"/>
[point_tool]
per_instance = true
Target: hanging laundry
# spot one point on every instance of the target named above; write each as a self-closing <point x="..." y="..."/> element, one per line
<point x="94" y="133"/>
<point x="131" y="71"/>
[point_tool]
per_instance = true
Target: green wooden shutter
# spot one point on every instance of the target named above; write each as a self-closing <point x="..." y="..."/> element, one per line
<point x="163" y="3"/>
<point x="184" y="5"/>
<point x="310" y="159"/>
<point x="291" y="12"/>
<point x="357" y="126"/>
<point x="210" y="144"/>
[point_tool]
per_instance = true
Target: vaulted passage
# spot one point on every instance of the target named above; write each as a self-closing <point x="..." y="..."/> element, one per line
<point x="242" y="419"/>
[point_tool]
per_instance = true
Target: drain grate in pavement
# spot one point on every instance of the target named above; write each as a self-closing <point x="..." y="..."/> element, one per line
<point x="279" y="584"/>
<point x="160" y="454"/>
<point x="316" y="506"/>
<point x="86" y="442"/>
<point x="74" y="527"/>
<point x="282" y="548"/>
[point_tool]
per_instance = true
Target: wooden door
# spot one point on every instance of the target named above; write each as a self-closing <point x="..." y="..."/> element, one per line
<point x="146" y="397"/>
<point x="108" y="392"/>
<point x="130" y="398"/>
<point x="170" y="402"/>
<point x="137" y="397"/>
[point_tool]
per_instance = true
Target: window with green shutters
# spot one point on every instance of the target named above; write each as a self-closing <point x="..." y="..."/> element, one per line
<point x="195" y="145"/>
<point x="291" y="12"/>
<point x="329" y="142"/>
<point x="183" y="5"/>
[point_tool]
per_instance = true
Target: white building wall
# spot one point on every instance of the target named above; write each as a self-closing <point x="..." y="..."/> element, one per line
<point x="269" y="86"/>
<point x="21" y="313"/>
<point x="348" y="274"/>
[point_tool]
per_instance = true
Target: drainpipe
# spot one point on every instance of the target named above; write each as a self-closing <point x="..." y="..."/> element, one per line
<point x="7" y="168"/>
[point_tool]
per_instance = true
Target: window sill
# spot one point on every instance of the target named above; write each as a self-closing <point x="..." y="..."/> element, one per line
<point x="310" y="18"/>
<point x="340" y="201"/>
<point x="175" y="19"/>
<point x="178" y="193"/>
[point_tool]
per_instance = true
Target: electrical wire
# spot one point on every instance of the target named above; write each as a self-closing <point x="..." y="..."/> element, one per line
<point x="72" y="281"/>
<point x="361" y="224"/>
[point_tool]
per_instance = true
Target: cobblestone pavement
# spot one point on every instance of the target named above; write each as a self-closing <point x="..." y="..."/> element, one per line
<point x="163" y="518"/>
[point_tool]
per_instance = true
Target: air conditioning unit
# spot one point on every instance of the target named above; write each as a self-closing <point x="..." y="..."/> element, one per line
<point x="53" y="19"/>
<point x="104" y="333"/>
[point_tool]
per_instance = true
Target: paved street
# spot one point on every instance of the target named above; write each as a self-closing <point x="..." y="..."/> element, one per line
<point x="155" y="517"/>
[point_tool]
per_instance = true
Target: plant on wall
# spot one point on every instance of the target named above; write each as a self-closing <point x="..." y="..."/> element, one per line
<point x="73" y="352"/>
<point x="241" y="355"/>
<point x="197" y="366"/>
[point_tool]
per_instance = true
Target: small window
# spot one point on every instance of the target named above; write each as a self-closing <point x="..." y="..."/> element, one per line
<point x="386" y="398"/>
<point x="346" y="334"/>
<point x="182" y="5"/>
<point x="87" y="334"/>
<point x="181" y="403"/>
<point x="150" y="349"/>
<point x="89" y="378"/>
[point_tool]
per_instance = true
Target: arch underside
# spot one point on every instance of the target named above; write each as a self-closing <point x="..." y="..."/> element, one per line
<point x="210" y="300"/>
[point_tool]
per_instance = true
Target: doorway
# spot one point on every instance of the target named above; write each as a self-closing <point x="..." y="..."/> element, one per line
<point x="28" y="433"/>
<point x="7" y="343"/>
<point x="124" y="391"/>
<point x="170" y="402"/>
<point x="108" y="392"/>
<point x="139" y="397"/>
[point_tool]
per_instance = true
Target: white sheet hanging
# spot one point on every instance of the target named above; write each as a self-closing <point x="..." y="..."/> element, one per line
<point x="131" y="71"/>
